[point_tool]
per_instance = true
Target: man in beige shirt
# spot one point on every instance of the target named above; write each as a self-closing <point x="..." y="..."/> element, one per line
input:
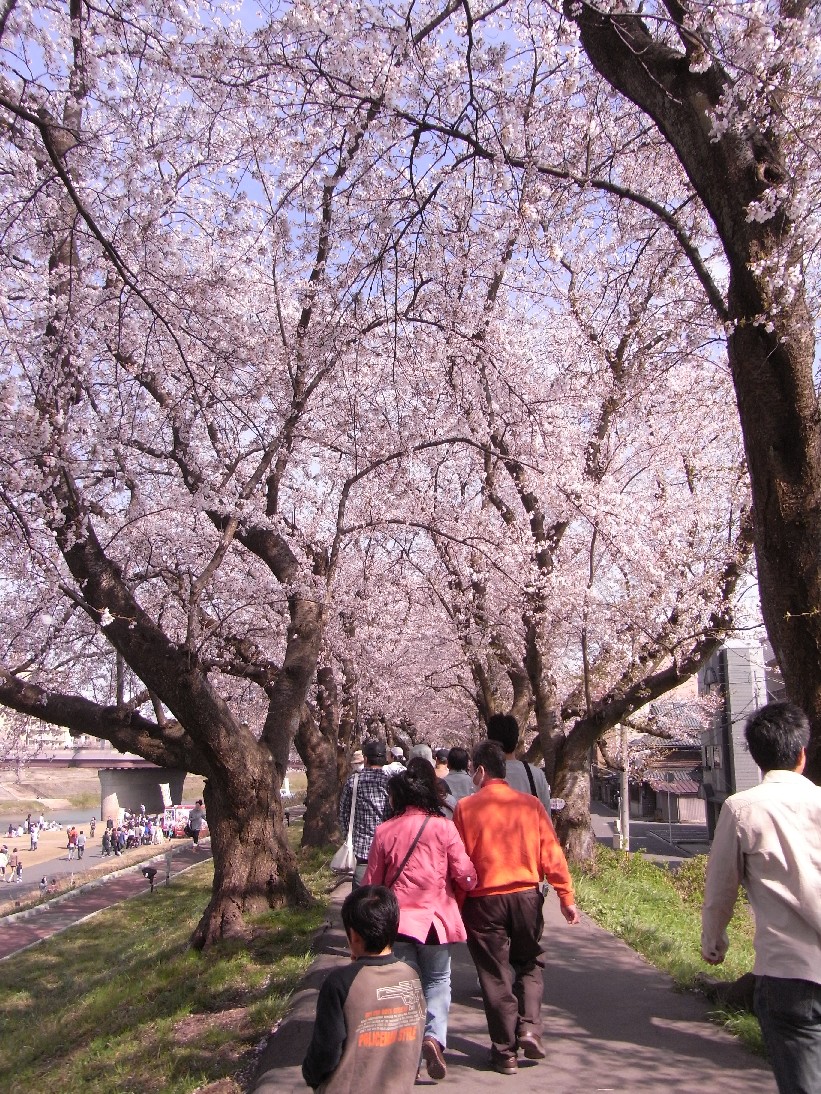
<point x="768" y="839"/>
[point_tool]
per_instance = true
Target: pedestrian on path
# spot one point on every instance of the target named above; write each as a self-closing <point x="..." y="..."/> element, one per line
<point x="397" y="764"/>
<point x="370" y="1013"/>
<point x="419" y="855"/>
<point x="195" y="821"/>
<point x="4" y="861"/>
<point x="81" y="844"/>
<point x="14" y="859"/>
<point x="72" y="843"/>
<point x="768" y="839"/>
<point x="34" y="836"/>
<point x="371" y="804"/>
<point x="460" y="784"/>
<point x="522" y="776"/>
<point x="511" y="842"/>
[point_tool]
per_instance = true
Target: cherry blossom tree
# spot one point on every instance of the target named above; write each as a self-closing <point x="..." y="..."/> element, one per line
<point x="731" y="90"/>
<point x="596" y="476"/>
<point x="368" y="365"/>
<point x="180" y="302"/>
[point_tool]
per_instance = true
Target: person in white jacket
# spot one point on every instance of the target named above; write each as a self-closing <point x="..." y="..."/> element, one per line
<point x="768" y="839"/>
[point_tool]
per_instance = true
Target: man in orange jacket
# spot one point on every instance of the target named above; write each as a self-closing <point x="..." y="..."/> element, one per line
<point x="511" y="842"/>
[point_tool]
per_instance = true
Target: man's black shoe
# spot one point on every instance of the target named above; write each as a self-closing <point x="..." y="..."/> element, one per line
<point x="531" y="1045"/>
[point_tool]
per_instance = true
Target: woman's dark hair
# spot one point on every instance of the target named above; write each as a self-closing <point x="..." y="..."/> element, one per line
<point x="373" y="912"/>
<point x="415" y="787"/>
<point x="775" y="736"/>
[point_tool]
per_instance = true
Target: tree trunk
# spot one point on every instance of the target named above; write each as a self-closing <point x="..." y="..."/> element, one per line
<point x="785" y="472"/>
<point x="545" y="702"/>
<point x="572" y="782"/>
<point x="254" y="868"/>
<point x="319" y="754"/>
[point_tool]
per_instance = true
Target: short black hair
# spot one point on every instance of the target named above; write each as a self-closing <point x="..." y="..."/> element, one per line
<point x="505" y="729"/>
<point x="441" y="755"/>
<point x="374" y="751"/>
<point x="489" y="755"/>
<point x="373" y="912"/>
<point x="775" y="736"/>
<point x="458" y="759"/>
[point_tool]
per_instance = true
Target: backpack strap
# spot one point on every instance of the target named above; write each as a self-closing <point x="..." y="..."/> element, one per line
<point x="530" y="779"/>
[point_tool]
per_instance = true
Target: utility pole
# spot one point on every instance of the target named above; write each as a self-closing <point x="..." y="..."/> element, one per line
<point x="624" y="803"/>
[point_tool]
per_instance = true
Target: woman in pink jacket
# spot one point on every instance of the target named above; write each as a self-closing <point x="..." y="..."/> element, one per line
<point x="420" y="855"/>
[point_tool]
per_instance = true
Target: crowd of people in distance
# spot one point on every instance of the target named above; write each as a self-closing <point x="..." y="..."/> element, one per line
<point x="137" y="830"/>
<point x="31" y="827"/>
<point x="11" y="860"/>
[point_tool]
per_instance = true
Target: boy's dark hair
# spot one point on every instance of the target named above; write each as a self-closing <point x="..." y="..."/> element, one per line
<point x="489" y="755"/>
<point x="505" y="729"/>
<point x="775" y="736"/>
<point x="373" y="912"/>
<point x="458" y="759"/>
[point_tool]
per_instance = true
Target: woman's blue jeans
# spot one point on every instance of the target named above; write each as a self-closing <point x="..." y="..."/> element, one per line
<point x="433" y="965"/>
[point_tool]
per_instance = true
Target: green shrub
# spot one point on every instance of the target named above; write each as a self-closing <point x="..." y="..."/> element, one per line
<point x="688" y="880"/>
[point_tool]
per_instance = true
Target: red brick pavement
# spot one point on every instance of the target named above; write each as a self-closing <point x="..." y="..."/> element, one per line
<point x="36" y="924"/>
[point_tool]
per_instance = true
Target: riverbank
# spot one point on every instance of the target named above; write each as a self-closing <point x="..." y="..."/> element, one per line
<point x="61" y="793"/>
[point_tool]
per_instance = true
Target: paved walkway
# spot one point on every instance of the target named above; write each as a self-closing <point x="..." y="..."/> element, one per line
<point x="27" y="928"/>
<point x="612" y="1023"/>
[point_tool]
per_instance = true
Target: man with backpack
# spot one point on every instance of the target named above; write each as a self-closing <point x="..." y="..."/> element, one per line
<point x="521" y="776"/>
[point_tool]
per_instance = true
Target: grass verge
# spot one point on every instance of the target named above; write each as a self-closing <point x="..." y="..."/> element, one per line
<point x="658" y="913"/>
<point x="121" y="1004"/>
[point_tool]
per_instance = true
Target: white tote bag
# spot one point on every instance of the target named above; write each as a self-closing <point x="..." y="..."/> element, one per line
<point x="344" y="861"/>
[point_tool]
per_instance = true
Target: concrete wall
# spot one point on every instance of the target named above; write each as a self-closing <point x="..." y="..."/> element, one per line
<point x="737" y="671"/>
<point x="746" y="692"/>
<point x="123" y="788"/>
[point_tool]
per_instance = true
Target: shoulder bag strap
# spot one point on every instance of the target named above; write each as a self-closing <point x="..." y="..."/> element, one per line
<point x="349" y="837"/>
<point x="411" y="849"/>
<point x="530" y="779"/>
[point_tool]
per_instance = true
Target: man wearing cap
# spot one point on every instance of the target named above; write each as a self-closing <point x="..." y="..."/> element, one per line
<point x="357" y="760"/>
<point x="397" y="765"/>
<point x="371" y="804"/>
